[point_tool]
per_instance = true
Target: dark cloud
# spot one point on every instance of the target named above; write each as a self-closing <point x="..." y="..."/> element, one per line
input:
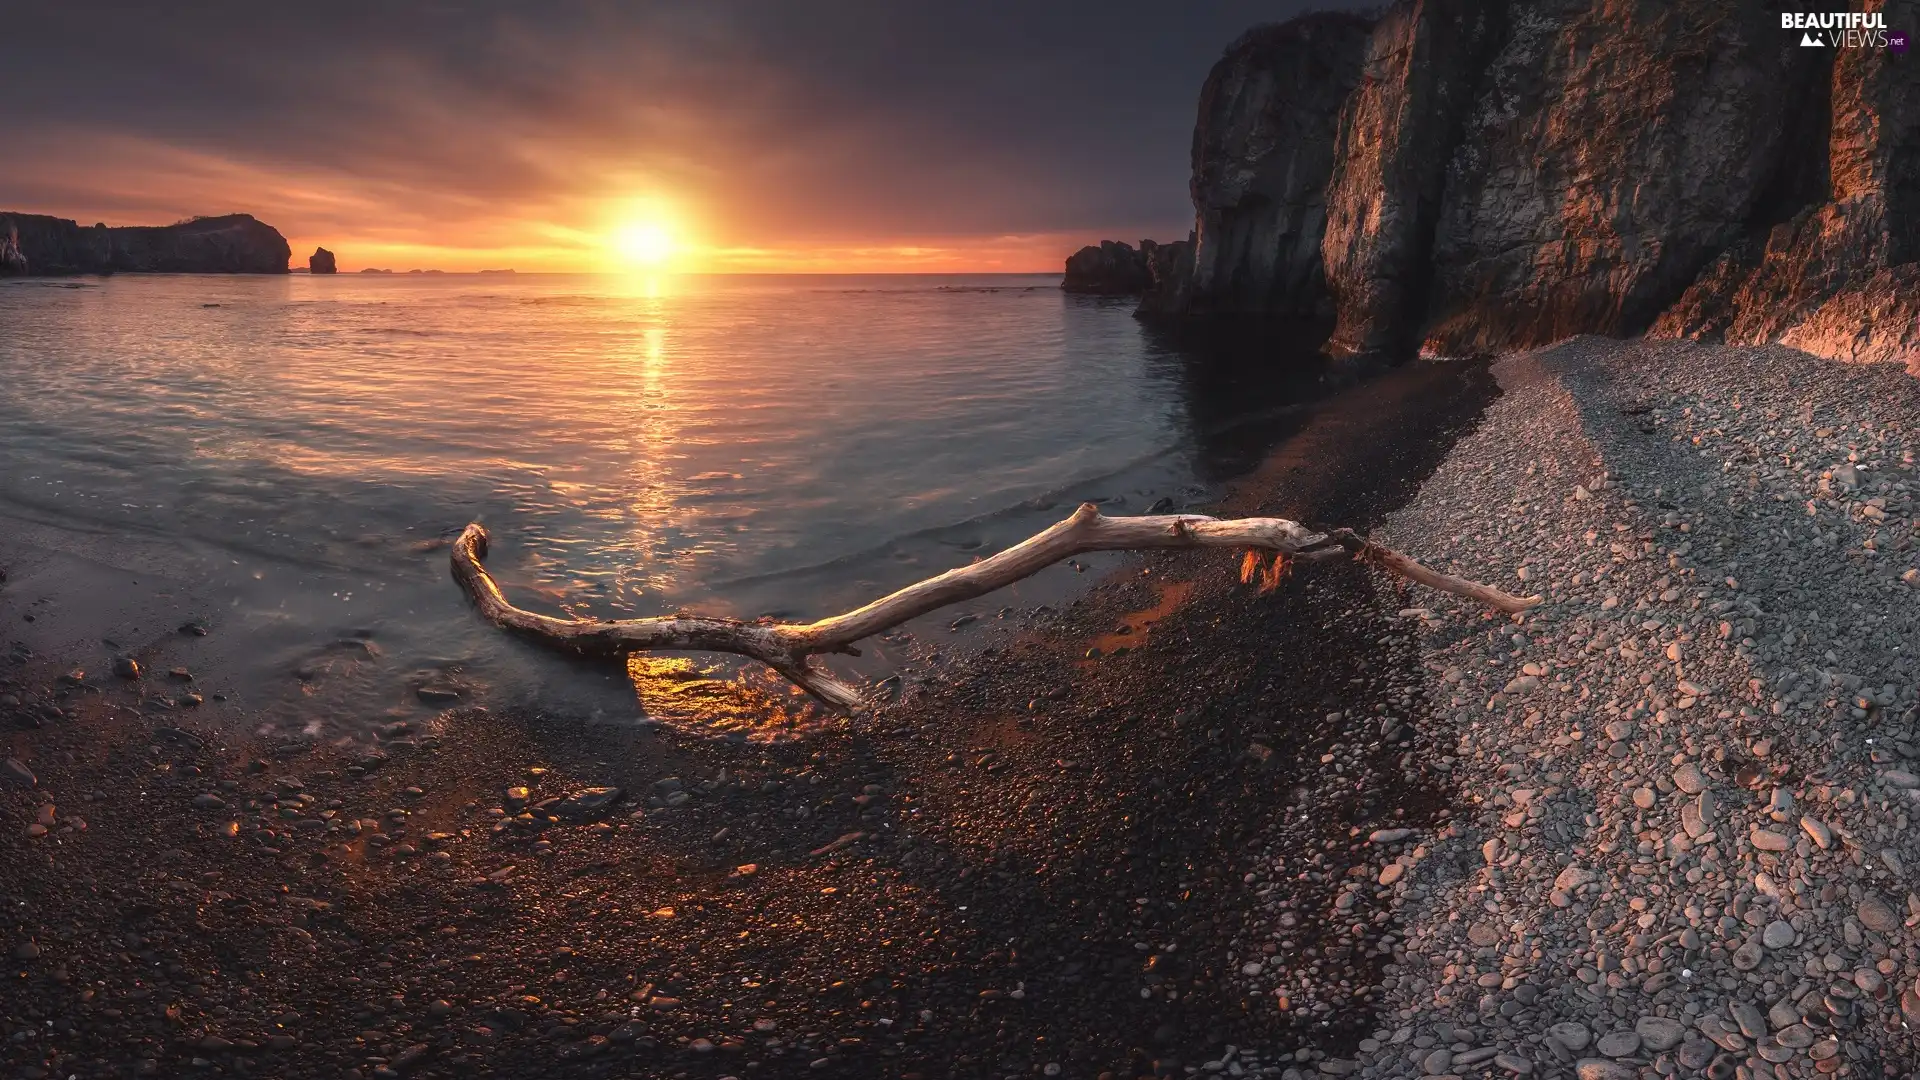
<point x="787" y="122"/>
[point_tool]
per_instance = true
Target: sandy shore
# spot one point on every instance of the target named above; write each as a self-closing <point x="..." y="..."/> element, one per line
<point x="1347" y="828"/>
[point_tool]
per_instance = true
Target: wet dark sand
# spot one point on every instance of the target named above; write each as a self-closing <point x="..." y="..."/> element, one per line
<point x="1034" y="866"/>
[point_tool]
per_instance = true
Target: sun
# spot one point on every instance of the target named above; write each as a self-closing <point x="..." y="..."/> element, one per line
<point x="646" y="245"/>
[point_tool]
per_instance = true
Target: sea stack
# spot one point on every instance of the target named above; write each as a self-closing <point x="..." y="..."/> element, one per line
<point x="321" y="262"/>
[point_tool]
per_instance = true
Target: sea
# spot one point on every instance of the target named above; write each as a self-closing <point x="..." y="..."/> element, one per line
<point x="281" y="461"/>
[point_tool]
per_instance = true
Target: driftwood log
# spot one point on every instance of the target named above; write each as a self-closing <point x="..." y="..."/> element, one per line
<point x="790" y="648"/>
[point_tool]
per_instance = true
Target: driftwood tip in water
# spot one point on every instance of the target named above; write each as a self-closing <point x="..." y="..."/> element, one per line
<point x="789" y="648"/>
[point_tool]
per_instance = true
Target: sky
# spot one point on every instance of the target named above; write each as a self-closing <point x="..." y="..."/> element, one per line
<point x="722" y="135"/>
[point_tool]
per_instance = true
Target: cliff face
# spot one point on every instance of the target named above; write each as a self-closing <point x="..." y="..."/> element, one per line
<point x="233" y="244"/>
<point x="1840" y="278"/>
<point x="1617" y="148"/>
<point x="1396" y="131"/>
<point x="1502" y="174"/>
<point x="1263" y="149"/>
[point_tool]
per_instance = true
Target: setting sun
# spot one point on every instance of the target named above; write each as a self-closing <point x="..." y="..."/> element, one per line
<point x="647" y="244"/>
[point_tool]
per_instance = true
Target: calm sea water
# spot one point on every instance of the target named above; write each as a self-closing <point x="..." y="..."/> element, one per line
<point x="292" y="452"/>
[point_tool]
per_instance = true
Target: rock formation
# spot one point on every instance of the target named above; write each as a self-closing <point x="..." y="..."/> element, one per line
<point x="321" y="262"/>
<point x="1263" y="150"/>
<point x="233" y="244"/>
<point x="1615" y="151"/>
<point x="1397" y="130"/>
<point x="1110" y="268"/>
<point x="12" y="262"/>
<point x="1472" y="175"/>
<point x="1841" y="278"/>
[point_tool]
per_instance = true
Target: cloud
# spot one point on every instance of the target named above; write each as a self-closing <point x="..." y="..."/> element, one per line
<point x="496" y="125"/>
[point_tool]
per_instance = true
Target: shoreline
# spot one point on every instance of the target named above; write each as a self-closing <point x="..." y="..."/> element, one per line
<point x="1347" y="828"/>
<point x="214" y="834"/>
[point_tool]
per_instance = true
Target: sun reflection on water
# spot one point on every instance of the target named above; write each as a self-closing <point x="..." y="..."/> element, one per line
<point x="718" y="696"/>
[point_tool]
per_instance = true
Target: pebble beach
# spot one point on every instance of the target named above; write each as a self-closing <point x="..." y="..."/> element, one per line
<point x="1685" y="781"/>
<point x="1654" y="826"/>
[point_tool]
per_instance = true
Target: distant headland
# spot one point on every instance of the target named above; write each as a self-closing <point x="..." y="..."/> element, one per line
<point x="228" y="244"/>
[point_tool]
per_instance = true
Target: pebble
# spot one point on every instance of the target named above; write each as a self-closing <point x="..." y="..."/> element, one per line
<point x="1690" y="779"/>
<point x="1818" y="832"/>
<point x="1618" y="1044"/>
<point x="1388" y="836"/>
<point x="1571" y="1034"/>
<point x="1694" y="1053"/>
<point x="126" y="667"/>
<point x="12" y="771"/>
<point x="1876" y="915"/>
<point x="588" y="802"/>
<point x="1769" y="840"/>
<point x="1752" y="1023"/>
<point x="1796" y="1036"/>
<point x="1658" y="1033"/>
<point x="1777" y="935"/>
<point x="1603" y="1069"/>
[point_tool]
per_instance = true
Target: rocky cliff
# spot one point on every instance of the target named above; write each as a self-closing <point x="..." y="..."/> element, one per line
<point x="1396" y="132"/>
<point x="322" y="262"/>
<point x="1487" y="174"/>
<point x="232" y="244"/>
<point x="1263" y="150"/>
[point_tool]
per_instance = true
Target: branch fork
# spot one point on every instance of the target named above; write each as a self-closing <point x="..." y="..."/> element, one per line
<point x="790" y="648"/>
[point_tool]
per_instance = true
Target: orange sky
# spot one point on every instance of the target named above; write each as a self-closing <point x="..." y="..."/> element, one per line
<point x="762" y="135"/>
<point x="568" y="224"/>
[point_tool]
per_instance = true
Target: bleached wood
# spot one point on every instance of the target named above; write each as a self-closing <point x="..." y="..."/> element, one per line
<point x="789" y="648"/>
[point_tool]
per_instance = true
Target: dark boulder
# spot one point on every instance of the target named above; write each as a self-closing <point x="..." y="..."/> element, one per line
<point x="1169" y="279"/>
<point x="1112" y="268"/>
<point x="321" y="262"/>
